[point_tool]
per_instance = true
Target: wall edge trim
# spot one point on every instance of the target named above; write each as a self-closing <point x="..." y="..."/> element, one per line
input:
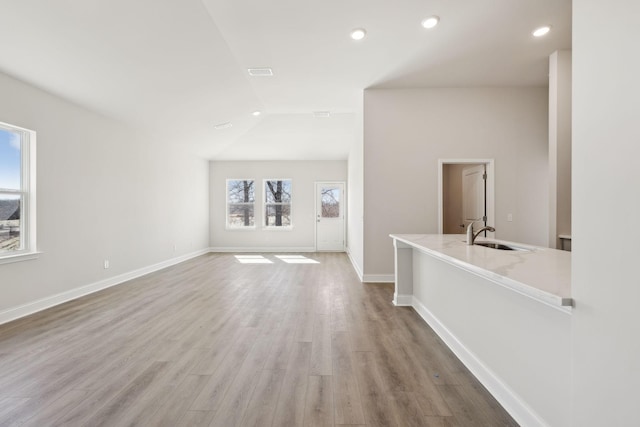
<point x="379" y="278"/>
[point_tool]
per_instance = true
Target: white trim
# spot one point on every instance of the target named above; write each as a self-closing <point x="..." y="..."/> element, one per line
<point x="355" y="266"/>
<point x="26" y="256"/>
<point x="277" y="228"/>
<point x="491" y="188"/>
<point x="379" y="278"/>
<point x="512" y="402"/>
<point x="48" y="302"/>
<point x="403" y="300"/>
<point x="221" y="249"/>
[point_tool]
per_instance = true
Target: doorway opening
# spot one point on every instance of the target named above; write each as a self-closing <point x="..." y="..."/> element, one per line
<point x="466" y="194"/>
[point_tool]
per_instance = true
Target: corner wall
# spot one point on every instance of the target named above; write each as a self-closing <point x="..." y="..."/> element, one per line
<point x="605" y="285"/>
<point x="104" y="192"/>
<point x="355" y="224"/>
<point x="559" y="146"/>
<point x="407" y="131"/>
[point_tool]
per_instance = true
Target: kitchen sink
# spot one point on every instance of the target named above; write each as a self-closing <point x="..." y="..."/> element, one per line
<point x="501" y="246"/>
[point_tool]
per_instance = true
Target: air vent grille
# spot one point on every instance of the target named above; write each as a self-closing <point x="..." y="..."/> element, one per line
<point x="260" y="72"/>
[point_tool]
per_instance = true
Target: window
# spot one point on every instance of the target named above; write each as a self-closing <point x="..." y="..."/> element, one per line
<point x="277" y="203"/>
<point x="240" y="203"/>
<point x="330" y="202"/>
<point x="17" y="192"/>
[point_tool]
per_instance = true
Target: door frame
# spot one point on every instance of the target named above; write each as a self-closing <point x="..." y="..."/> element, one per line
<point x="317" y="184"/>
<point x="491" y="190"/>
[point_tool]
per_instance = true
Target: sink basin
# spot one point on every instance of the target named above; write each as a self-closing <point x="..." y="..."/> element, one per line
<point x="500" y="246"/>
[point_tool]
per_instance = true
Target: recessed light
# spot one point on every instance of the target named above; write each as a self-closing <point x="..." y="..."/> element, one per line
<point x="321" y="114"/>
<point x="256" y="113"/>
<point x="430" y="22"/>
<point x="260" y="72"/>
<point x="539" y="32"/>
<point x="224" y="125"/>
<point x="358" y="33"/>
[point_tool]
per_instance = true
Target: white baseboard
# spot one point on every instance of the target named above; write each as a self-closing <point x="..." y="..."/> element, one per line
<point x="370" y="278"/>
<point x="379" y="278"/>
<point x="511" y="402"/>
<point x="261" y="250"/>
<point x="403" y="300"/>
<point x="48" y="302"/>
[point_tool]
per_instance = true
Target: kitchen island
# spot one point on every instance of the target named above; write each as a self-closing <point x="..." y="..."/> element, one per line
<point x="505" y="314"/>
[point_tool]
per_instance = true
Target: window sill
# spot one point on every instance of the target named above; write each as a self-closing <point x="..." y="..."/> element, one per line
<point x="289" y="228"/>
<point x="240" y="228"/>
<point x="7" y="259"/>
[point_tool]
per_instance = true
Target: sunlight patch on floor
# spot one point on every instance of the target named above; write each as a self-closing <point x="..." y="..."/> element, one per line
<point x="296" y="259"/>
<point x="253" y="259"/>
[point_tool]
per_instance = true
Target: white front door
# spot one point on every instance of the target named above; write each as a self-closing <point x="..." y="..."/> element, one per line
<point x="330" y="210"/>
<point x="473" y="195"/>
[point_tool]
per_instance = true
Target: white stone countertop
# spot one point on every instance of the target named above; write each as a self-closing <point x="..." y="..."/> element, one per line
<point x="540" y="273"/>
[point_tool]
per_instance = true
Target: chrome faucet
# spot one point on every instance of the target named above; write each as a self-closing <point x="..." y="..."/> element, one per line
<point x="471" y="236"/>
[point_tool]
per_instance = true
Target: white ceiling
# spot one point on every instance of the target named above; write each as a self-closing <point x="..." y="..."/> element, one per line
<point x="176" y="68"/>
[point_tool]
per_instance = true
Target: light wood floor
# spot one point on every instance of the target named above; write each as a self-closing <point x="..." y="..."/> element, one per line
<point x="216" y="342"/>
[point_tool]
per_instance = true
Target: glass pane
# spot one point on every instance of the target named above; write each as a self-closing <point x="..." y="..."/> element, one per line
<point x="277" y="191"/>
<point x="241" y="215"/>
<point x="241" y="191"/>
<point x="330" y="202"/>
<point x="278" y="215"/>
<point x="10" y="148"/>
<point x="10" y="213"/>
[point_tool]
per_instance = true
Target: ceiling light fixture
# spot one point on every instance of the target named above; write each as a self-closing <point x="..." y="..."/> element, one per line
<point x="224" y="125"/>
<point x="358" y="33"/>
<point x="256" y="113"/>
<point x="539" y="32"/>
<point x="430" y="22"/>
<point x="260" y="72"/>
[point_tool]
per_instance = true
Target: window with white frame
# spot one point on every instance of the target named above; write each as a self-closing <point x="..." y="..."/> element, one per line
<point x="241" y="203"/>
<point x="277" y="203"/>
<point x="17" y="192"/>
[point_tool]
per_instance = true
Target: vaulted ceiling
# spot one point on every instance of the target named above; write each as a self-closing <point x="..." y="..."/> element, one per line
<point x="177" y="68"/>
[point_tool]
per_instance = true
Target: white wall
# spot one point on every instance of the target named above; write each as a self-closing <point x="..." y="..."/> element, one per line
<point x="559" y="146"/>
<point x="303" y="174"/>
<point x="104" y="191"/>
<point x="606" y="202"/>
<point x="407" y="131"/>
<point x="355" y="222"/>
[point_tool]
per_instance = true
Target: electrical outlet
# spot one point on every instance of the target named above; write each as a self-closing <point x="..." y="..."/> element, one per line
<point x="175" y="247"/>
<point x="106" y="264"/>
<point x="509" y="217"/>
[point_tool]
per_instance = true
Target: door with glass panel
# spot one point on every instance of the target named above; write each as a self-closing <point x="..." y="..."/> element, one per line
<point x="330" y="216"/>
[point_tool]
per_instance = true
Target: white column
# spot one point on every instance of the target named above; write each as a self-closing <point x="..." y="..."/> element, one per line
<point x="559" y="146"/>
<point x="403" y="295"/>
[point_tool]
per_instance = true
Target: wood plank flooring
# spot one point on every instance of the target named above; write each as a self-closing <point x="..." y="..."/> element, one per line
<point x="217" y="342"/>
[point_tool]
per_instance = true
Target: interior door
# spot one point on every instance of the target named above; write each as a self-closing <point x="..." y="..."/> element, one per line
<point x="330" y="221"/>
<point x="474" y="195"/>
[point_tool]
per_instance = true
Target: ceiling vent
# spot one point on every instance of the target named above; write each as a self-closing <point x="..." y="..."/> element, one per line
<point x="224" y="125"/>
<point x="260" y="72"/>
<point x="321" y="114"/>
